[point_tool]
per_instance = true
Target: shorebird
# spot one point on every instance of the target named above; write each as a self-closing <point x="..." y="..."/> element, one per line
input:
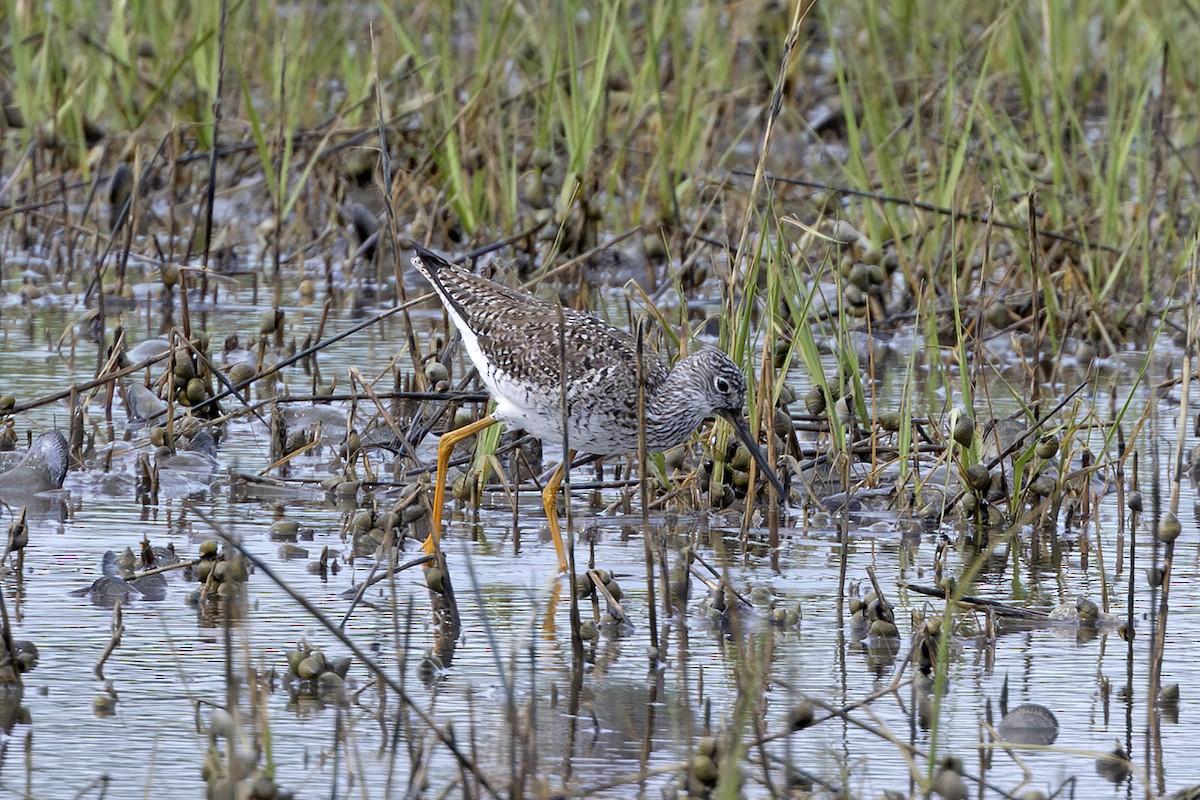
<point x="513" y="339"/>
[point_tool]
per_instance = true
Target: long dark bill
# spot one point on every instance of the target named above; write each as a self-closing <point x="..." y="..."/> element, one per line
<point x="743" y="432"/>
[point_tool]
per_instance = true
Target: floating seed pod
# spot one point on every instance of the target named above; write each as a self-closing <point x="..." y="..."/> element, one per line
<point x="860" y="276"/>
<point x="814" y="401"/>
<point x="284" y="530"/>
<point x="1154" y="576"/>
<point x="18" y="533"/>
<point x="779" y="353"/>
<point x="306" y="289"/>
<point x="235" y="569"/>
<point x="196" y="391"/>
<point x="675" y="456"/>
<point x="871" y="254"/>
<point x="801" y="716"/>
<point x="461" y="487"/>
<point x="999" y="316"/>
<point x="413" y="513"/>
<point x="890" y="421"/>
<point x="614" y="589"/>
<point x="739" y="479"/>
<point x="104" y="704"/>
<point x="209" y="548"/>
<point x="27" y="654"/>
<point x="227" y="591"/>
<point x="308" y="668"/>
<point x="294" y="657"/>
<point x="962" y="427"/>
<point x="854" y="296"/>
<point x="390" y="520"/>
<point x="705" y="770"/>
<point x="436" y="373"/>
<point x="362" y="522"/>
<point x="7" y="403"/>
<point x="1114" y="767"/>
<point x="949" y="785"/>
<point x="353" y="445"/>
<point x="329" y="681"/>
<point x="741" y="458"/>
<point x="339" y="666"/>
<point x="270" y="320"/>
<point x="184" y="370"/>
<point x="263" y="788"/>
<point x="787" y="395"/>
<point x="1168" y="528"/>
<point x="884" y="628"/>
<point x="1089" y="612"/>
<point x="978" y="478"/>
<point x="842" y="232"/>
<point x="876" y="608"/>
<point x="1047" y="447"/>
<point x="1042" y="486"/>
<point x="240" y="372"/>
<point x="843" y="409"/>
<point x="1168" y="694"/>
<point x="364" y="546"/>
<point x="1134" y="502"/>
<point x="783" y="423"/>
<point x="462" y="418"/>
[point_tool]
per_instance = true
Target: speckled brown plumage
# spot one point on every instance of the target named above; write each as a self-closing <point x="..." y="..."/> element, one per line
<point x="513" y="340"/>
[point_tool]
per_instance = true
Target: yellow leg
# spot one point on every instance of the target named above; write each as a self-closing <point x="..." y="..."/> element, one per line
<point x="445" y="448"/>
<point x="550" y="503"/>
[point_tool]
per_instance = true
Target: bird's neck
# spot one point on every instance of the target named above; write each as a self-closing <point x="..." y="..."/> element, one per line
<point x="674" y="408"/>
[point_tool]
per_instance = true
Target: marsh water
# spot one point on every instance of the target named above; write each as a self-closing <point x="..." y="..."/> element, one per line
<point x="623" y="718"/>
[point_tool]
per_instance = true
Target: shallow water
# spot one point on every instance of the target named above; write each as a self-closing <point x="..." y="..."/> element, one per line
<point x="169" y="669"/>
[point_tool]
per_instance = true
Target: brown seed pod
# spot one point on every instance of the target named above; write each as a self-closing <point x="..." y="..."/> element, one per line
<point x="978" y="477"/>
<point x="962" y="427"/>
<point x="814" y="401"/>
<point x="1169" y="528"/>
<point x="1047" y="447"/>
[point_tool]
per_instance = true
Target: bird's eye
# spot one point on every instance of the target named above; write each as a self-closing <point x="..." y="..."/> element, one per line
<point x="721" y="385"/>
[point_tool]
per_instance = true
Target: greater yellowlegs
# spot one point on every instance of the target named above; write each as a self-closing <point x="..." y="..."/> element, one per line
<point x="513" y="340"/>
